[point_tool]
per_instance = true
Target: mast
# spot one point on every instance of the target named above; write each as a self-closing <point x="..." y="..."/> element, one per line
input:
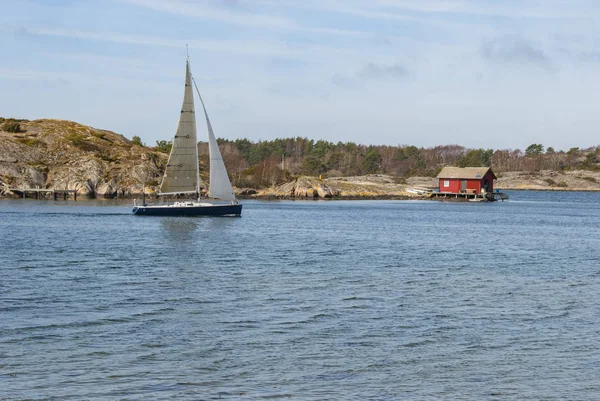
<point x="197" y="156"/>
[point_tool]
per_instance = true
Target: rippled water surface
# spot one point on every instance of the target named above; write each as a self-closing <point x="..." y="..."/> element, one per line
<point x="341" y="300"/>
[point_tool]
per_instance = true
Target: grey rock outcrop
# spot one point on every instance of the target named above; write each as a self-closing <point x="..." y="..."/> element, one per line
<point x="59" y="154"/>
<point x="305" y="188"/>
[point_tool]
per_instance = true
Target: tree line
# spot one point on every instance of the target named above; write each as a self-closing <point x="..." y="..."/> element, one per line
<point x="273" y="162"/>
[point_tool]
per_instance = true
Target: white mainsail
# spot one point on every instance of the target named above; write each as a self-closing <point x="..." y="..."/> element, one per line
<point x="219" y="185"/>
<point x="182" y="174"/>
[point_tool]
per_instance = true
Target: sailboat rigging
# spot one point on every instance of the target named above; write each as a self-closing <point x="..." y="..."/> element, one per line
<point x="182" y="175"/>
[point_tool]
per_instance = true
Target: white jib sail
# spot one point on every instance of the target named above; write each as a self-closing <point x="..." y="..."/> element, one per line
<point x="181" y="174"/>
<point x="220" y="186"/>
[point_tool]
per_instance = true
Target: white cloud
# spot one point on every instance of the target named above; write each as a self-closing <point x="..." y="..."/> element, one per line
<point x="548" y="9"/>
<point x="236" y="16"/>
<point x="20" y="73"/>
<point x="246" y="47"/>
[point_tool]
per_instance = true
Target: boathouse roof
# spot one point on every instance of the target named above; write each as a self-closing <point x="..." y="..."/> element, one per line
<point x="464" y="173"/>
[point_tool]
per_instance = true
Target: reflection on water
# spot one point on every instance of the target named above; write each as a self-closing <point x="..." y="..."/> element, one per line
<point x="176" y="224"/>
<point x="179" y="229"/>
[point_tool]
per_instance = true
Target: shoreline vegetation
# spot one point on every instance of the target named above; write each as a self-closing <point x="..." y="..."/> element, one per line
<point x="59" y="154"/>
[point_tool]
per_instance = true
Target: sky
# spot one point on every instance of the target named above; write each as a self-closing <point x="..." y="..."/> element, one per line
<point x="499" y="74"/>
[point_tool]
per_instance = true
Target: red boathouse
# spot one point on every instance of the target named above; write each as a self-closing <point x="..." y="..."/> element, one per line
<point x="466" y="180"/>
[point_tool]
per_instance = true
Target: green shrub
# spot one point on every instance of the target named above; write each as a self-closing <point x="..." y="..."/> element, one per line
<point x="562" y="184"/>
<point x="32" y="142"/>
<point x="107" y="157"/>
<point x="136" y="140"/>
<point x="164" y="146"/>
<point x="76" y="138"/>
<point x="476" y="158"/>
<point x="590" y="179"/>
<point x="99" y="135"/>
<point x="550" y="181"/>
<point x="534" y="149"/>
<point x="12" y="126"/>
<point x="372" y="162"/>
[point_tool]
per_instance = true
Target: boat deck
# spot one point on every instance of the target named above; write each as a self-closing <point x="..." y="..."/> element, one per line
<point x="189" y="209"/>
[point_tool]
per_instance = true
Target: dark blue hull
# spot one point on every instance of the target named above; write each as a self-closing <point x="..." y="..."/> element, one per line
<point x="214" y="210"/>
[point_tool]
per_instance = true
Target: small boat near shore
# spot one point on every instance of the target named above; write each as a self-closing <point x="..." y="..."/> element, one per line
<point x="419" y="190"/>
<point x="182" y="174"/>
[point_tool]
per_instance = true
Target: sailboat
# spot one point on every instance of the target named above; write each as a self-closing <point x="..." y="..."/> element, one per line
<point x="182" y="176"/>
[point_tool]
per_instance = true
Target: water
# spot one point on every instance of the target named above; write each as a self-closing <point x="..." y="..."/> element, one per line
<point x="342" y="300"/>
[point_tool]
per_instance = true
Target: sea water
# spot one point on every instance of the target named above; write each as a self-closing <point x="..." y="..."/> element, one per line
<point x="328" y="300"/>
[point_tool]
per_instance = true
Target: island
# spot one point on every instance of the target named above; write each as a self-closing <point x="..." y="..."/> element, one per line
<point x="64" y="155"/>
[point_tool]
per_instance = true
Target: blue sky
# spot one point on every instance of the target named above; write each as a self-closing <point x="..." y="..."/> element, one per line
<point x="478" y="73"/>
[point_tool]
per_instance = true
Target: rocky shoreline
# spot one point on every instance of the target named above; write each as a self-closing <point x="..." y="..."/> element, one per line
<point x="64" y="155"/>
<point x="374" y="187"/>
<point x="378" y="186"/>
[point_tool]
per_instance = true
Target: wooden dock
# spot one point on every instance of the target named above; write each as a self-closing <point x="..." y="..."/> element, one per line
<point x="466" y="195"/>
<point x="38" y="192"/>
<point x="472" y="197"/>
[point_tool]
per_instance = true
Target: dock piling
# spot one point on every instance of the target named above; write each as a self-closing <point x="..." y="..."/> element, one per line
<point x="53" y="192"/>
